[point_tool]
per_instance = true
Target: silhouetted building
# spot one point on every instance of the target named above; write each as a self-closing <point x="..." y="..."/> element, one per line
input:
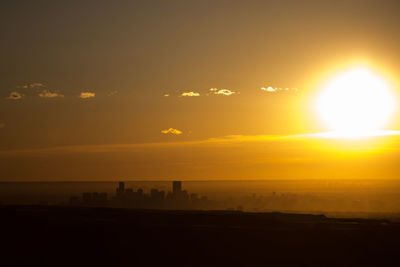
<point x="155" y="194"/>
<point x="128" y="191"/>
<point x="155" y="199"/>
<point x="102" y="196"/>
<point x="176" y="186"/>
<point x="92" y="199"/>
<point x="121" y="188"/>
<point x="140" y="192"/>
<point x="204" y="198"/>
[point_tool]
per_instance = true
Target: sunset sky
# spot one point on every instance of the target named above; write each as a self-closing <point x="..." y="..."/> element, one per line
<point x="111" y="90"/>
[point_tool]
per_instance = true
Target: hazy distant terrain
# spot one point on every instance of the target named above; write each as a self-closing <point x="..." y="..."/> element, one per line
<point x="359" y="198"/>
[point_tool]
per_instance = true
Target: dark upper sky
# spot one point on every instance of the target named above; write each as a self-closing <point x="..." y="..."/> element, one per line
<point x="97" y="72"/>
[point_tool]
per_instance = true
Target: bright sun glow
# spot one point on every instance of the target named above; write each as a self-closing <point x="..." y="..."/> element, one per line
<point x="355" y="103"/>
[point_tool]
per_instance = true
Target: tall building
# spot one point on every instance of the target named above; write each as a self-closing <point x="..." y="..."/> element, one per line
<point x="176" y="186"/>
<point x="154" y="193"/>
<point x="140" y="192"/>
<point x="194" y="196"/>
<point x="121" y="188"/>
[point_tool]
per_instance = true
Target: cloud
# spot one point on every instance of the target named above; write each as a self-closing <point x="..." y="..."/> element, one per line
<point x="2" y="125"/>
<point x="85" y="95"/>
<point x="171" y="131"/>
<point x="190" y="94"/>
<point x="48" y="94"/>
<point x="212" y="91"/>
<point x="15" y="96"/>
<point x="166" y="95"/>
<point x="271" y="89"/>
<point x="31" y="85"/>
<point x="226" y="92"/>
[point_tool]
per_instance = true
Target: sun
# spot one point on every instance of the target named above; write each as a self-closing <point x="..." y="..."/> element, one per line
<point x="355" y="102"/>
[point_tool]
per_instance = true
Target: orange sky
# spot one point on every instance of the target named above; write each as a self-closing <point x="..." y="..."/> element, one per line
<point x="187" y="89"/>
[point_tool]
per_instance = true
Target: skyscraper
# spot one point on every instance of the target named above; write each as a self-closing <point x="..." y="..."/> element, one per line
<point x="176" y="186"/>
<point x="121" y="188"/>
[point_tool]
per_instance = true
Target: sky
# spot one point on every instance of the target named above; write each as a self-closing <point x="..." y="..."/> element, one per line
<point x="111" y="90"/>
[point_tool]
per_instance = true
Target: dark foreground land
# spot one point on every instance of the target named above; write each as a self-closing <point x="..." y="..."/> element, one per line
<point x="63" y="236"/>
